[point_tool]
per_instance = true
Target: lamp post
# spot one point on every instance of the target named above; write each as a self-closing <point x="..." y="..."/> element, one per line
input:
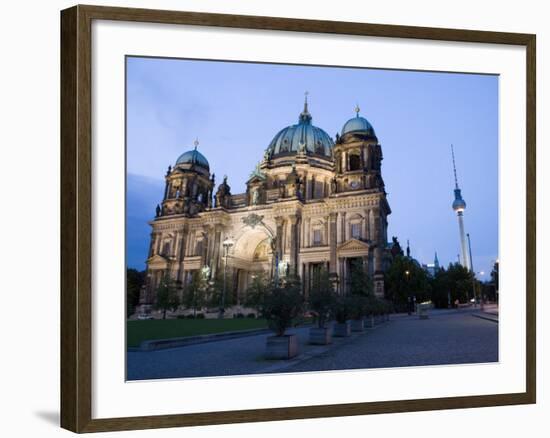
<point x="481" y="303"/>
<point x="227" y="244"/>
<point x="407" y="273"/>
<point x="472" y="269"/>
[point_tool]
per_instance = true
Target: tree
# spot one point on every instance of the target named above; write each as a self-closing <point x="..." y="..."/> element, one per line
<point x="494" y="279"/>
<point x="406" y="278"/>
<point x="282" y="304"/>
<point x="452" y="284"/>
<point x="167" y="295"/>
<point x="322" y="298"/>
<point x="195" y="293"/>
<point x="257" y="290"/>
<point x="134" y="281"/>
<point x="215" y="290"/>
<point x="459" y="282"/>
<point x="360" y="281"/>
<point x="440" y="289"/>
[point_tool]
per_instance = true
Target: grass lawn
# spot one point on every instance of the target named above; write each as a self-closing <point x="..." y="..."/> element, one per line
<point x="146" y="330"/>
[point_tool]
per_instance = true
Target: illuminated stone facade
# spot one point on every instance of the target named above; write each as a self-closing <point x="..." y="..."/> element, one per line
<point x="311" y="202"/>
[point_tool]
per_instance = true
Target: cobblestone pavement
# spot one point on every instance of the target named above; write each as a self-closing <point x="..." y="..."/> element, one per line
<point x="447" y="337"/>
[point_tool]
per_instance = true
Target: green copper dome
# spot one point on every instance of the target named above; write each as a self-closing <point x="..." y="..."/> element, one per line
<point x="301" y="137"/>
<point x="193" y="157"/>
<point x="358" y="124"/>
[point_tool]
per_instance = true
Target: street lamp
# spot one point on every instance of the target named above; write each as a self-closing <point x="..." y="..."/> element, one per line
<point x="409" y="310"/>
<point x="481" y="303"/>
<point x="227" y="244"/>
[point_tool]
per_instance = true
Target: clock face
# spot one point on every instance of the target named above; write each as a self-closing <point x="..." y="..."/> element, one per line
<point x="354" y="184"/>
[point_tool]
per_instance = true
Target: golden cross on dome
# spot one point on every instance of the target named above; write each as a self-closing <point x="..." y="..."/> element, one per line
<point x="357" y="109"/>
<point x="196" y="142"/>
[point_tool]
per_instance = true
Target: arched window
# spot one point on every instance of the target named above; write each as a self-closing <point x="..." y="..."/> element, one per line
<point x="354" y="162"/>
<point x="356" y="230"/>
<point x="317" y="237"/>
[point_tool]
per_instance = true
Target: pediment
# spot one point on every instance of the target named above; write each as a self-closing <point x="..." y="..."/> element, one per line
<point x="353" y="245"/>
<point x="157" y="260"/>
<point x="256" y="179"/>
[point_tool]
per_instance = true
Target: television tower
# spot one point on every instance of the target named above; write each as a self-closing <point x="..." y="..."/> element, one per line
<point x="459" y="206"/>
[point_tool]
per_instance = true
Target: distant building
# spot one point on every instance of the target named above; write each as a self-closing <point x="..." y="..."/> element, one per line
<point x="432" y="268"/>
<point x="311" y="202"/>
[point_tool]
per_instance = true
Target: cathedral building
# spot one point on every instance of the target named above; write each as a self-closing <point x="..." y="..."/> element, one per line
<point x="311" y="203"/>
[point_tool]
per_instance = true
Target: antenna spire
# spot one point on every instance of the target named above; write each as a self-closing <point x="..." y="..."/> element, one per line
<point x="454" y="165"/>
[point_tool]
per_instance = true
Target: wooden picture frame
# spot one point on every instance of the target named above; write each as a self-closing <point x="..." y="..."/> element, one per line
<point x="76" y="217"/>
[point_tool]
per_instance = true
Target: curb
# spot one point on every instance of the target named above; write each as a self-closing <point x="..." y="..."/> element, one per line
<point x="162" y="344"/>
<point x="486" y="317"/>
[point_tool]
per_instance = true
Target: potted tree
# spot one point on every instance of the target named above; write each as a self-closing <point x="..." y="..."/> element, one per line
<point x="358" y="311"/>
<point x="361" y="288"/>
<point x="322" y="300"/>
<point x="342" y="311"/>
<point x="370" y="311"/>
<point x="280" y="306"/>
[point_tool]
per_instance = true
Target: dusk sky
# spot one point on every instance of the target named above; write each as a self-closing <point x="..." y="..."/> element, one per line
<point x="235" y="110"/>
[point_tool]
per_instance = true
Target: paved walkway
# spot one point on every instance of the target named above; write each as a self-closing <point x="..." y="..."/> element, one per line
<point x="447" y="337"/>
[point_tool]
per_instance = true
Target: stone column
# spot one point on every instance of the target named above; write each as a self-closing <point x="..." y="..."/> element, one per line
<point x="332" y="242"/>
<point x="293" y="220"/>
<point x="367" y="225"/>
<point x="344" y="233"/>
<point x="377" y="237"/>
<point x="204" y="255"/>
<point x="174" y="245"/>
<point x="158" y="243"/>
<point x="152" y="244"/>
<point x="279" y="221"/>
<point x="216" y="254"/>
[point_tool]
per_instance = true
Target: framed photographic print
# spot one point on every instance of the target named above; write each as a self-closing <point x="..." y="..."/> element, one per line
<point x="268" y="218"/>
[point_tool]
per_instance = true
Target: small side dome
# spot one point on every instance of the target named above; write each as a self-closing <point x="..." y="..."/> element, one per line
<point x="358" y="125"/>
<point x="193" y="157"/>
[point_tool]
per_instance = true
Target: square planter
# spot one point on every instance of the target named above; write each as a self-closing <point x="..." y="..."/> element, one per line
<point x="320" y="336"/>
<point x="342" y="330"/>
<point x="281" y="347"/>
<point x="423" y="313"/>
<point x="358" y="325"/>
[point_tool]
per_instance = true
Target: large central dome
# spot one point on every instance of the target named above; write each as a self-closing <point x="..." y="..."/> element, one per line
<point x="301" y="137"/>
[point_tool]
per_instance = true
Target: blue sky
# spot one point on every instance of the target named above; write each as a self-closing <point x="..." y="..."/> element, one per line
<point x="235" y="109"/>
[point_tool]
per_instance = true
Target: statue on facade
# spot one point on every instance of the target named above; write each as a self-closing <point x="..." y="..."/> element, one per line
<point x="256" y="196"/>
<point x="333" y="186"/>
<point x="157" y="211"/>
<point x="396" y="247"/>
<point x="223" y="195"/>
